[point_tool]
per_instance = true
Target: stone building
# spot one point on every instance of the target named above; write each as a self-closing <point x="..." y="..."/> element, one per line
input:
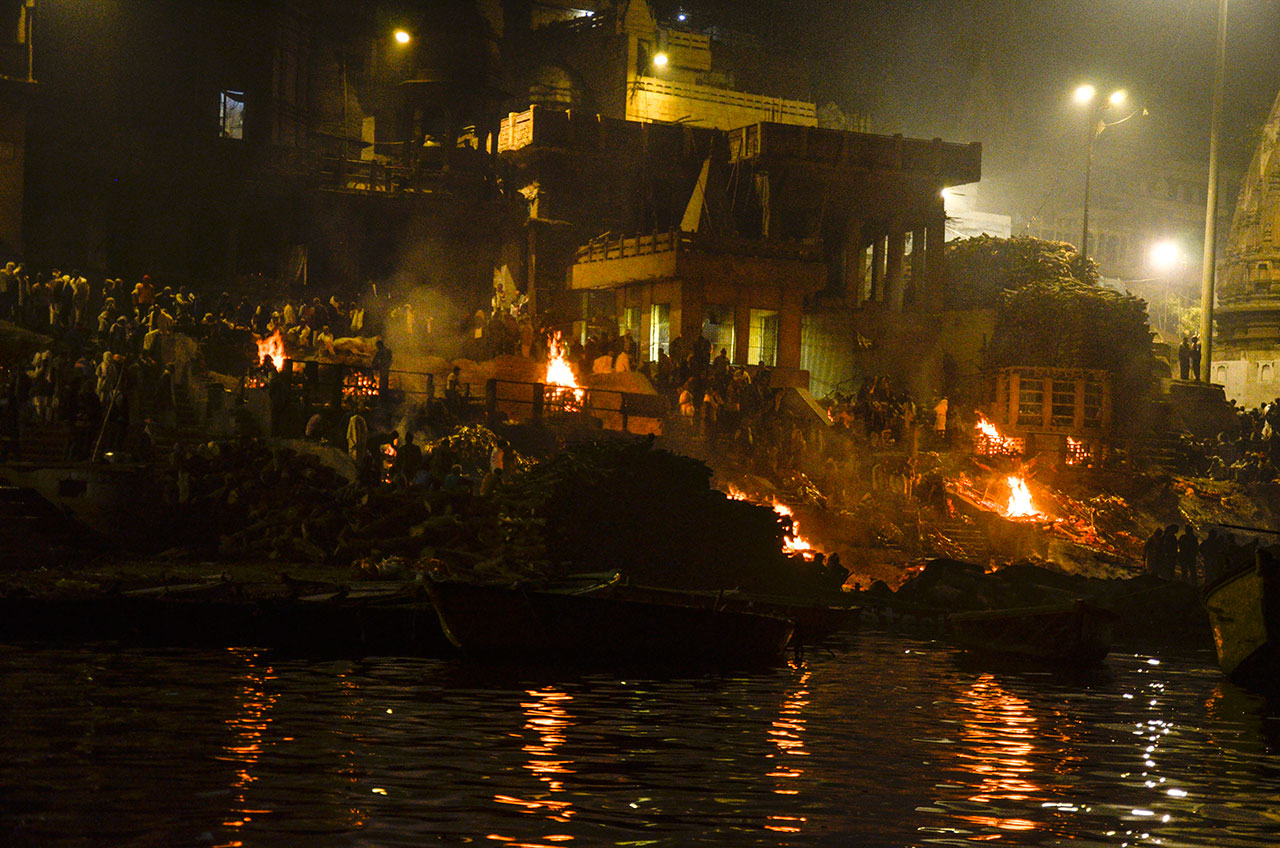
<point x="264" y="139"/>
<point x="1247" y="344"/>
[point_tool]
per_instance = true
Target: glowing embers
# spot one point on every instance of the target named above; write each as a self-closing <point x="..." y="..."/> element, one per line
<point x="1078" y="453"/>
<point x="1020" y="503"/>
<point x="563" y="393"/>
<point x="359" y="384"/>
<point x="792" y="541"/>
<point x="272" y="346"/>
<point x="988" y="441"/>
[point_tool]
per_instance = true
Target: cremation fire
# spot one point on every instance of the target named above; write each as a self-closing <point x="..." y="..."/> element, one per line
<point x="359" y="384"/>
<point x="563" y="393"/>
<point x="1020" y="503"/>
<point x="272" y="346"/>
<point x="988" y="441"/>
<point x="793" y="542"/>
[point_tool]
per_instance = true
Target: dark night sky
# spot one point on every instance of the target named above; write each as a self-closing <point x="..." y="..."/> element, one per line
<point x="909" y="65"/>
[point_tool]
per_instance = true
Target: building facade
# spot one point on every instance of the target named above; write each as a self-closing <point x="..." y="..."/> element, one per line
<point x="1246" y="353"/>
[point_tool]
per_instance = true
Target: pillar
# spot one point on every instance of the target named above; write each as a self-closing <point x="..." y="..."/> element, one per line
<point x="935" y="235"/>
<point x="917" y="266"/>
<point x="895" y="282"/>
<point x="877" y="268"/>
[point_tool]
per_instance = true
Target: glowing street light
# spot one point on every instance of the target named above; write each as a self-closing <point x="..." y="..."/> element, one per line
<point x="660" y="60"/>
<point x="402" y="36"/>
<point x="1084" y="95"/>
<point x="1164" y="255"/>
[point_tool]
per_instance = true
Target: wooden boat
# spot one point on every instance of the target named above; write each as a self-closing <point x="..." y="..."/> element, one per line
<point x="814" y="622"/>
<point x="1244" y="612"/>
<point x="1076" y="633"/>
<point x="501" y="622"/>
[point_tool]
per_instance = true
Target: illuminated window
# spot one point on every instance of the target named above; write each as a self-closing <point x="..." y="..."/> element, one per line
<point x="659" y="329"/>
<point x="231" y="114"/>
<point x="762" y="340"/>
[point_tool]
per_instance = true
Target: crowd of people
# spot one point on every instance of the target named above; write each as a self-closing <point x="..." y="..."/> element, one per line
<point x="1246" y="452"/>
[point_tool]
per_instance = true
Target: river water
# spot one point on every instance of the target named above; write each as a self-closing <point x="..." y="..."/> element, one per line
<point x="884" y="742"/>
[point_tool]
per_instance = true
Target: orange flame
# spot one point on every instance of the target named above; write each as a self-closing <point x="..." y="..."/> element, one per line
<point x="793" y="542"/>
<point x="988" y="440"/>
<point x="272" y="346"/>
<point x="1020" y="504"/>
<point x="568" y="394"/>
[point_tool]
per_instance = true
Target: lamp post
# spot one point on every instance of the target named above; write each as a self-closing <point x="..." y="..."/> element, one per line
<point x="1209" y="268"/>
<point x="1085" y="96"/>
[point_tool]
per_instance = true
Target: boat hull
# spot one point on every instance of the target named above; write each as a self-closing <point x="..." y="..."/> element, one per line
<point x="813" y="622"/>
<point x="1244" y="612"/>
<point x="1072" y="634"/>
<point x="509" y="623"/>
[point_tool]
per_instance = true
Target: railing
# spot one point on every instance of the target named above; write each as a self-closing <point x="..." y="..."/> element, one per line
<point x="837" y="148"/>
<point x="540" y="401"/>
<point x="603" y="249"/>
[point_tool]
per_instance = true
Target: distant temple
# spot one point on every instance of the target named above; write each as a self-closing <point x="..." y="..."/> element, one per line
<point x="1247" y="351"/>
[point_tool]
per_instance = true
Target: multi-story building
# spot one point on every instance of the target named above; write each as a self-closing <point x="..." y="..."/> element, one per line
<point x="279" y="139"/>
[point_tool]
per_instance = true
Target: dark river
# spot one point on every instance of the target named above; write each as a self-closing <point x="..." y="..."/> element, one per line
<point x="887" y="742"/>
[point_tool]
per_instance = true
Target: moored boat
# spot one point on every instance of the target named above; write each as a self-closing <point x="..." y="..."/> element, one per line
<point x="502" y="622"/>
<point x="1076" y="633"/>
<point x="814" y="621"/>
<point x="1244" y="612"/>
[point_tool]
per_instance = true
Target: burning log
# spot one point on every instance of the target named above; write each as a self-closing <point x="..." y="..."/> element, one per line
<point x="793" y="542"/>
<point x="271" y="347"/>
<point x="359" y="384"/>
<point x="988" y="441"/>
<point x="563" y="392"/>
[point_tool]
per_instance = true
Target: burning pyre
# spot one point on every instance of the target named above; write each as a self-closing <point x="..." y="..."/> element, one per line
<point x="563" y="392"/>
<point x="988" y="441"/>
<point x="792" y="542"/>
<point x="1020" y="503"/>
<point x="359" y="384"/>
<point x="271" y="347"/>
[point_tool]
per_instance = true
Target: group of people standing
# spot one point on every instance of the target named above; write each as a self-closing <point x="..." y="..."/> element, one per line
<point x="1179" y="556"/>
<point x="1189" y="358"/>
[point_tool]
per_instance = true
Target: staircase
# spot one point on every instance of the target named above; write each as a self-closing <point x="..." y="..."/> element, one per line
<point x="969" y="538"/>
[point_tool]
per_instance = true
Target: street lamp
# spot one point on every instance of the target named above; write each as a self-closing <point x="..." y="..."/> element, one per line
<point x="1085" y="95"/>
<point x="1164" y="255"/>
<point x="660" y="60"/>
<point x="402" y="36"/>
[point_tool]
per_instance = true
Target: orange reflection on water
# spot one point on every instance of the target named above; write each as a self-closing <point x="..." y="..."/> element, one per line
<point x="1001" y="731"/>
<point x="546" y="716"/>
<point x="787" y="733"/>
<point x="248" y="726"/>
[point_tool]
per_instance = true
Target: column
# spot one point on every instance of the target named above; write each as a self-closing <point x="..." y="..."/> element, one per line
<point x="917" y="267"/>
<point x="895" y="283"/>
<point x="877" y="269"/>
<point x="935" y="235"/>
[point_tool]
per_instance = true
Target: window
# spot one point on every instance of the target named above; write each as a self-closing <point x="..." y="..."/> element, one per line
<point x="629" y="322"/>
<point x="1030" y="402"/>
<point x="231" y="114"/>
<point x="717" y="328"/>
<point x="1265" y="374"/>
<point x="762" y="341"/>
<point x="1092" y="404"/>
<point x="1064" y="403"/>
<point x="1221" y="374"/>
<point x="659" y="329"/>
